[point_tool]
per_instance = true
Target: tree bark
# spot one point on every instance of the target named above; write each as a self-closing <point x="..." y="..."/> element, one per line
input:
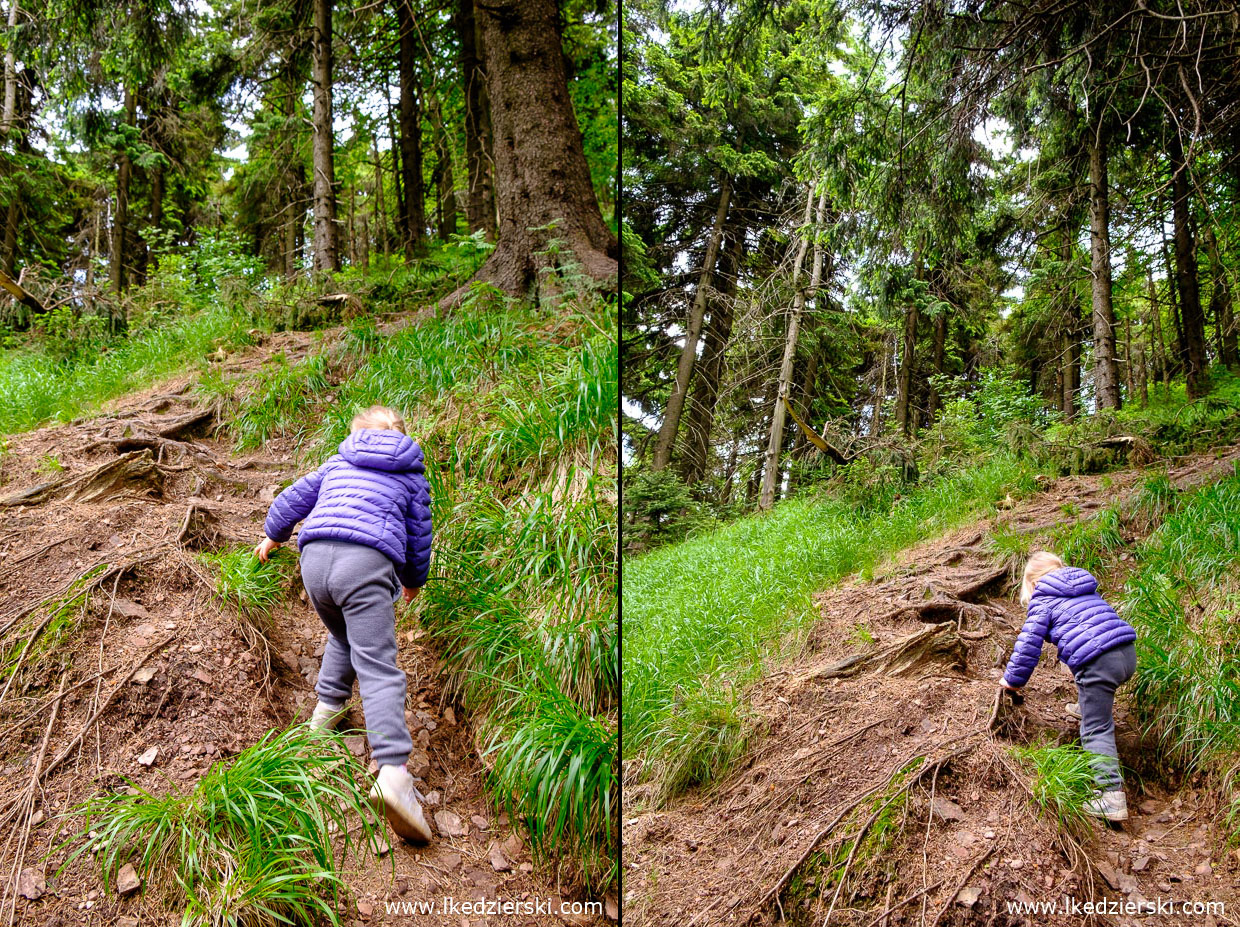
<point x="411" y="133"/>
<point x="1106" y="368"/>
<point x="1221" y="305"/>
<point x="294" y="176"/>
<point x="445" y="180"/>
<point x="381" y="226"/>
<point x="775" y="442"/>
<point x="1186" y="276"/>
<point x="120" y="219"/>
<point x="939" y="359"/>
<point x="480" y="202"/>
<point x="1158" y="348"/>
<point x="326" y="235"/>
<point x="543" y="183"/>
<point x="701" y="416"/>
<point x="10" y="76"/>
<point x="1070" y="319"/>
<point x="688" y="354"/>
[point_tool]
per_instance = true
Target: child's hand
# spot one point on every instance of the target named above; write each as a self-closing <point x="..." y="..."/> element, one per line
<point x="411" y="594"/>
<point x="263" y="550"/>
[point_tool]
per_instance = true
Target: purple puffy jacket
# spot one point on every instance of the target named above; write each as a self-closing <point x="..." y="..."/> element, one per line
<point x="1066" y="610"/>
<point x="374" y="492"/>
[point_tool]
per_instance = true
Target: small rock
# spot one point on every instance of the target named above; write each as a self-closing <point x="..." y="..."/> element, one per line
<point x="512" y="846"/>
<point x="148" y="756"/>
<point x="31" y="883"/>
<point x="127" y="880"/>
<point x="526" y="867"/>
<point x="356" y="744"/>
<point x="450" y="825"/>
<point x="449" y="715"/>
<point x="1109" y="873"/>
<point x="37" y="818"/>
<point x="610" y="909"/>
<point x="968" y="895"/>
<point x="195" y="648"/>
<point x="989" y="835"/>
<point x="126" y="922"/>
<point x="419" y="764"/>
<point x="365" y="908"/>
<point x="480" y="822"/>
<point x="144" y="675"/>
<point x="432" y="799"/>
<point x="202" y="676"/>
<point x="498" y="862"/>
<point x="130" y="609"/>
<point x="450" y="861"/>
<point x="946" y="809"/>
<point x="1140" y="863"/>
<point x="1017" y="863"/>
<point x="1151" y="806"/>
<point x="1204" y="869"/>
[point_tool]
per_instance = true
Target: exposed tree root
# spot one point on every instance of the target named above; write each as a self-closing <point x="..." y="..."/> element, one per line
<point x="134" y="473"/>
<point x="931" y="649"/>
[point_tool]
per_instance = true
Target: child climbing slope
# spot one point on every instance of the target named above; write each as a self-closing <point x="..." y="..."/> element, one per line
<point x="1096" y="644"/>
<point x="367" y="535"/>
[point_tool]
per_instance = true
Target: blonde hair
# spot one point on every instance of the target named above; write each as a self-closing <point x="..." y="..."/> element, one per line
<point x="380" y="417"/>
<point x="1040" y="563"/>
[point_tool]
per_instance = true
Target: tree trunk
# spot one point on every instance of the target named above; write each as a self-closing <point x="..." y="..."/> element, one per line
<point x="688" y="354"/>
<point x="381" y="226"/>
<point x="1221" y="306"/>
<point x="445" y="186"/>
<point x="880" y="390"/>
<point x="294" y="176"/>
<point x="411" y="133"/>
<point x="120" y="219"/>
<point x="326" y="235"/>
<point x="1177" y="357"/>
<point x="1195" y="359"/>
<point x="1071" y="320"/>
<point x="1156" y="333"/>
<point x="701" y="415"/>
<point x="542" y="180"/>
<point x="939" y="359"/>
<point x="480" y="203"/>
<point x="10" y="75"/>
<point x="157" y="208"/>
<point x="1106" y="370"/>
<point x="775" y="443"/>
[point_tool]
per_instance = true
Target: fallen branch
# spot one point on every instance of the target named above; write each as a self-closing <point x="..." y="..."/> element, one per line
<point x="21" y="294"/>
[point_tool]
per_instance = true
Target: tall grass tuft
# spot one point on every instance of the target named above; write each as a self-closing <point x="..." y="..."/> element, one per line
<point x="1184" y="600"/>
<point x="250" y="586"/>
<point x="720" y="606"/>
<point x="260" y="840"/>
<point x="282" y="401"/>
<point x="1090" y="544"/>
<point x="1063" y="781"/>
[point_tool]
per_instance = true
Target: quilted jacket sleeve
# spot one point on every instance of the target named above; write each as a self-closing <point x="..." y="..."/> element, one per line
<point x="292" y="505"/>
<point x="418" y="534"/>
<point x="1028" y="649"/>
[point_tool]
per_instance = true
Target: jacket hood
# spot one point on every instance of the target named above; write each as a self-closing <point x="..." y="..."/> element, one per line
<point x="1066" y="582"/>
<point x="382" y="450"/>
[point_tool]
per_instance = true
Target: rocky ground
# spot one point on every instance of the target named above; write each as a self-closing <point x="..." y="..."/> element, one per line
<point x="158" y="680"/>
<point x="893" y="741"/>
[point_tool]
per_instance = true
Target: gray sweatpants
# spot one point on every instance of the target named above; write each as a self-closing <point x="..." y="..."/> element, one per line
<point x="1096" y="682"/>
<point x="353" y="588"/>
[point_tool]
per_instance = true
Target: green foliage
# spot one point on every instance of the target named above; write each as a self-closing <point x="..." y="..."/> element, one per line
<point x="658" y="507"/>
<point x="282" y="401"/>
<point x="682" y="634"/>
<point x="1183" y="600"/>
<point x="1090" y="544"/>
<point x="261" y="839"/>
<point x="250" y="586"/>
<point x="1063" y="781"/>
<point x="983" y="414"/>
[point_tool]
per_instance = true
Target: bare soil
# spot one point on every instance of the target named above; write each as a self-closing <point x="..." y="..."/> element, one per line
<point x="851" y="723"/>
<point x="158" y="662"/>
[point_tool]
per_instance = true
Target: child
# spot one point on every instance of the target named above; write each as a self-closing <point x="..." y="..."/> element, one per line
<point x="1096" y="644"/>
<point x="367" y="535"/>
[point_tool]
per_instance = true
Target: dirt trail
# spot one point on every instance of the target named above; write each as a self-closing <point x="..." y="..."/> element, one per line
<point x="180" y="673"/>
<point x="834" y="730"/>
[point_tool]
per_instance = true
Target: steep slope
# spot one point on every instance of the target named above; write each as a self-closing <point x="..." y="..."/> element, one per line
<point x="876" y="790"/>
<point x="144" y="657"/>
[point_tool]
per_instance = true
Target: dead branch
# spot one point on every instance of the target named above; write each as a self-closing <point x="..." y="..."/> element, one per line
<point x="915" y="654"/>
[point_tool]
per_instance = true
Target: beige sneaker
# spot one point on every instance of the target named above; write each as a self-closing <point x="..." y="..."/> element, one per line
<point x="394" y="795"/>
<point x="1111" y="805"/>
<point x="1074" y="709"/>
<point x="326" y="716"/>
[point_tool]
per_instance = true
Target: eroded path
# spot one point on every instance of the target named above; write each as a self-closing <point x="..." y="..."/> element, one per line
<point x="891" y="742"/>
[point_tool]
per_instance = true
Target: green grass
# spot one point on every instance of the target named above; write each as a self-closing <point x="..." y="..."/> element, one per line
<point x="1063" y="781"/>
<point x="247" y="584"/>
<point x="38" y="389"/>
<point x="251" y="843"/>
<point x="1184" y="600"/>
<point x="282" y="401"/>
<point x="706" y="616"/>
<point x="1090" y="544"/>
